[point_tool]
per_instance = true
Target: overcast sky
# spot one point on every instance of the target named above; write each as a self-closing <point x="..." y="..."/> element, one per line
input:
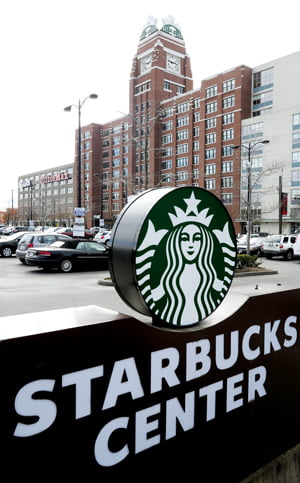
<point x="54" y="53"/>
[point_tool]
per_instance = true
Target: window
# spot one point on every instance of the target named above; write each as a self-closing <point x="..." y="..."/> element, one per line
<point x="182" y="121"/>
<point x="166" y="152"/>
<point x="227" y="167"/>
<point x="210" y="153"/>
<point x="115" y="140"/>
<point x="196" y="159"/>
<point x="195" y="174"/>
<point x="182" y="148"/>
<point x="184" y="107"/>
<point x="296" y="140"/>
<point x="296" y="158"/>
<point x="196" y="145"/>
<point x="295" y="197"/>
<point x="196" y="103"/>
<point x="210" y="184"/>
<point x="166" y="126"/>
<point x="211" y="123"/>
<point x="211" y="107"/>
<point x="182" y="135"/>
<point x="166" y="164"/>
<point x="210" y="138"/>
<point x="196" y="131"/>
<point x="229" y="85"/>
<point x="227" y="151"/>
<point x="253" y="130"/>
<point x="167" y="112"/>
<point x="228" y="118"/>
<point x="167" y="86"/>
<point x="182" y="162"/>
<point x="228" y="102"/>
<point x="263" y="79"/>
<point x="116" y="152"/>
<point x="197" y="116"/>
<point x="296" y="121"/>
<point x="227" y="198"/>
<point x="296" y="178"/>
<point x="226" y="182"/>
<point x="210" y="168"/>
<point x="166" y="139"/>
<point x="227" y="134"/>
<point x="182" y="175"/>
<point x="211" y="91"/>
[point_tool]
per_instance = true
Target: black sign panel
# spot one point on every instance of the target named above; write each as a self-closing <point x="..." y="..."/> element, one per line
<point x="121" y="398"/>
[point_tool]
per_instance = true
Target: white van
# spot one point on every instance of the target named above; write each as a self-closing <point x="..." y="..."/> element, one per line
<point x="297" y="246"/>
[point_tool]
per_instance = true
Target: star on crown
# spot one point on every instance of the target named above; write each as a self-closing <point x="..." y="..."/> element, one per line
<point x="191" y="214"/>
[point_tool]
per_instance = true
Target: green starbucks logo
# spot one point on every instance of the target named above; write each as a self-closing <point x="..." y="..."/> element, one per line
<point x="185" y="256"/>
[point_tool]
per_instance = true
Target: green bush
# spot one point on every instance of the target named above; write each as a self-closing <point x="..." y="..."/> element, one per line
<point x="248" y="261"/>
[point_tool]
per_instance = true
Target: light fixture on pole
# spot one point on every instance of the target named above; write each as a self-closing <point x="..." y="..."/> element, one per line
<point x="68" y="109"/>
<point x="249" y="148"/>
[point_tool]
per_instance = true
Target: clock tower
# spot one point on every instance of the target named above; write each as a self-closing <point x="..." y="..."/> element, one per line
<point x="160" y="70"/>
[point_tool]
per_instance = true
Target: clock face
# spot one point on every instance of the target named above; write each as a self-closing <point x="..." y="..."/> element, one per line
<point x="146" y="63"/>
<point x="173" y="63"/>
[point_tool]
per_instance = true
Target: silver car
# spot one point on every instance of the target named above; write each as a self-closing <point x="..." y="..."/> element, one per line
<point x="37" y="239"/>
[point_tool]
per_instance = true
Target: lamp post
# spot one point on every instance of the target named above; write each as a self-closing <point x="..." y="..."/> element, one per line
<point x="249" y="148"/>
<point x="68" y="109"/>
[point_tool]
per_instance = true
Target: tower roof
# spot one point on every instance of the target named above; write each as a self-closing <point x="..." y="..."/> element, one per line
<point x="169" y="27"/>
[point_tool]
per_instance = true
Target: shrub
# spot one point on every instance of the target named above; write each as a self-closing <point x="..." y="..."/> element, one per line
<point x="244" y="261"/>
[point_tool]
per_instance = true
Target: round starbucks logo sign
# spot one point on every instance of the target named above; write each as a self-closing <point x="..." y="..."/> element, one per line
<point x="182" y="255"/>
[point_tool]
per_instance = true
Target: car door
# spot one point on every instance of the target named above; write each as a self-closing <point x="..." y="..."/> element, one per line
<point x="96" y="255"/>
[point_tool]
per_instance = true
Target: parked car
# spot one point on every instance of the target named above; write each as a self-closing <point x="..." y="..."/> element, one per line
<point x="75" y="253"/>
<point x="35" y="239"/>
<point x="280" y="245"/>
<point x="9" y="230"/>
<point x="69" y="231"/>
<point x="9" y="243"/>
<point x="256" y="245"/>
<point x="103" y="237"/>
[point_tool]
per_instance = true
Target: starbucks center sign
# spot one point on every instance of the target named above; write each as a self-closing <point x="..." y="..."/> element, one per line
<point x="210" y="390"/>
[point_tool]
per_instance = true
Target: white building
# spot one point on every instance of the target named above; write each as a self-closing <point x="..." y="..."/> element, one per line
<point x="274" y="169"/>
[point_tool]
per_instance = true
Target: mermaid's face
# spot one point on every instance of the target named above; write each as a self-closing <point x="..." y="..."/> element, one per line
<point x="190" y="239"/>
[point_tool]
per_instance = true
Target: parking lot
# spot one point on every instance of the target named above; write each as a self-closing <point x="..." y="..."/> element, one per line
<point x="25" y="289"/>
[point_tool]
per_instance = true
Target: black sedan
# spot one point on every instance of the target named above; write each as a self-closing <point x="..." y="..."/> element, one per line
<point x="69" y="255"/>
<point x="8" y="244"/>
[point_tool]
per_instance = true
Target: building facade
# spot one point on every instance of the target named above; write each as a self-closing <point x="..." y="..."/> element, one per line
<point x="46" y="197"/>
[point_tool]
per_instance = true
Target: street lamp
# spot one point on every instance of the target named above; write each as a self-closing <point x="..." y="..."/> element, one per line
<point x="249" y="148"/>
<point x="68" y="109"/>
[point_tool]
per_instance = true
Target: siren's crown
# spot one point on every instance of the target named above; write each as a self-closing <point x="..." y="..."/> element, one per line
<point x="191" y="214"/>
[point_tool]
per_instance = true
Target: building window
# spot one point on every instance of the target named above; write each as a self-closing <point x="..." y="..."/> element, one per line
<point x="296" y="159"/>
<point x="296" y="121"/>
<point x="210" y="184"/>
<point x="211" y="107"/>
<point x="184" y="107"/>
<point x="196" y="131"/>
<point x="229" y="85"/>
<point x="196" y="116"/>
<point x="166" y="152"/>
<point x="226" y="182"/>
<point x="210" y="138"/>
<point x="182" y="148"/>
<point x="296" y="140"/>
<point x="228" y="102"/>
<point x="227" y="151"/>
<point x="227" y="167"/>
<point x="196" y="103"/>
<point x="227" y="134"/>
<point x="211" y="91"/>
<point x="263" y="79"/>
<point x="296" y="178"/>
<point x="196" y="145"/>
<point x="195" y="159"/>
<point x="182" y="175"/>
<point x="210" y="168"/>
<point x="167" y="112"/>
<point x="181" y="135"/>
<point x="166" y="164"/>
<point x="166" y="139"/>
<point x="227" y="198"/>
<point x="167" y="86"/>
<point x="182" y="162"/>
<point x="211" y="123"/>
<point x="167" y="126"/>
<point x="182" y="121"/>
<point x="210" y="153"/>
<point x="228" y="118"/>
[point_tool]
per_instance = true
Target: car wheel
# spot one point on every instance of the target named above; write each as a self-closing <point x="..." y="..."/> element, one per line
<point x="6" y="252"/>
<point x="66" y="265"/>
<point x="289" y="255"/>
<point x="258" y="252"/>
